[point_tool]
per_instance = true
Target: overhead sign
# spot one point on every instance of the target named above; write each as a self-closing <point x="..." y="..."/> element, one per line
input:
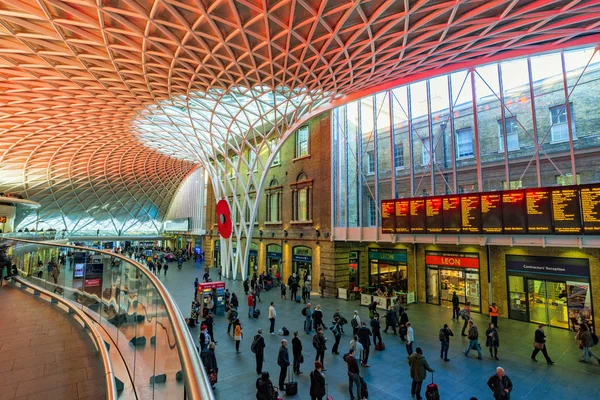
<point x="393" y="255"/>
<point x="457" y="260"/>
<point x="548" y="265"/>
<point x="177" y="225"/>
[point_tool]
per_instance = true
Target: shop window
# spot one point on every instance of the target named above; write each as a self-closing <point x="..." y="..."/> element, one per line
<point x="559" y="121"/>
<point x="372" y="211"/>
<point x="273" y="147"/>
<point x="301" y="199"/>
<point x="511" y="127"/>
<point x="567" y="179"/>
<point x="399" y="155"/>
<point x="425" y="151"/>
<point x="302" y="138"/>
<point x="273" y="202"/>
<point x="513" y="185"/>
<point x="370" y="162"/>
<point x="464" y="142"/>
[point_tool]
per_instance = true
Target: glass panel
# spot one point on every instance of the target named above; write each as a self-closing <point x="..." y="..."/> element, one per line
<point x="402" y="146"/>
<point x="517" y="295"/>
<point x="462" y="118"/>
<point x="353" y="162"/>
<point x="536" y="291"/>
<point x="368" y="150"/>
<point x="422" y="141"/>
<point x="433" y="286"/>
<point x="453" y="281"/>
<point x="384" y="153"/>
<point x="440" y="121"/>
<point x="579" y="301"/>
<point x="340" y="165"/>
<point x="473" y="290"/>
<point x="145" y="323"/>
<point x="557" y="308"/>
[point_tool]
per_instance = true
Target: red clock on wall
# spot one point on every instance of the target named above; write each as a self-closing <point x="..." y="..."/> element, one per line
<point x="224" y="219"/>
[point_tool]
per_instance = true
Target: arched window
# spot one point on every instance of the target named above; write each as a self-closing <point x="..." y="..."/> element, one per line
<point x="301" y="199"/>
<point x="273" y="202"/>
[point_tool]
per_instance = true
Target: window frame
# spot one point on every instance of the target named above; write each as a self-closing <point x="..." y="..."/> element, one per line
<point x="274" y="191"/>
<point x="372" y="212"/>
<point x="501" y="136"/>
<point x="425" y="144"/>
<point x="299" y="143"/>
<point x="302" y="185"/>
<point x="400" y="156"/>
<point x="370" y="162"/>
<point x="563" y="125"/>
<point x="458" y="135"/>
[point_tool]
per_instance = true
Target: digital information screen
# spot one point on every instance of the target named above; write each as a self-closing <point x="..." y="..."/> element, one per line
<point x="491" y="213"/>
<point x="451" y="214"/>
<point x="417" y="215"/>
<point x="590" y="208"/>
<point x="402" y="216"/>
<point x="565" y="210"/>
<point x="538" y="209"/>
<point x="388" y="216"/>
<point x="471" y="213"/>
<point x="513" y="211"/>
<point x="433" y="211"/>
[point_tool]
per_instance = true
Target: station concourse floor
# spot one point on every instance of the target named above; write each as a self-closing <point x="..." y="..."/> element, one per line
<point x="388" y="377"/>
<point x="44" y="352"/>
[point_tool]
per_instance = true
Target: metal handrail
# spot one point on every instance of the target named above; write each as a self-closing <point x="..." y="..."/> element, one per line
<point x="109" y="377"/>
<point x="196" y="381"/>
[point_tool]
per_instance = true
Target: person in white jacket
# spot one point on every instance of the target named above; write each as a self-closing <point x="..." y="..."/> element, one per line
<point x="410" y="338"/>
<point x="272" y="315"/>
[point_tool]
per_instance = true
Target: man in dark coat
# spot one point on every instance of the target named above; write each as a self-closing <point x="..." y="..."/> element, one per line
<point x="500" y="384"/>
<point x="320" y="347"/>
<point x="455" y="306"/>
<point x="364" y="338"/>
<point x="390" y="320"/>
<point x="297" y="352"/>
<point x="283" y="360"/>
<point x="418" y="367"/>
<point x="259" y="351"/>
<point x="540" y="344"/>
<point x="403" y="321"/>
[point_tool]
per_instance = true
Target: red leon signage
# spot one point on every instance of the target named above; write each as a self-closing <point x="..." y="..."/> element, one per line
<point x="452" y="261"/>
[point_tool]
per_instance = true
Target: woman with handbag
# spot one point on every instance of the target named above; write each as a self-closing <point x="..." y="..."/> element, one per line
<point x="539" y="344"/>
<point x="492" y="341"/>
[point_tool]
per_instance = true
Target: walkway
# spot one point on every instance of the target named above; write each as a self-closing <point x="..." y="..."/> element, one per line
<point x="388" y="377"/>
<point x="44" y="353"/>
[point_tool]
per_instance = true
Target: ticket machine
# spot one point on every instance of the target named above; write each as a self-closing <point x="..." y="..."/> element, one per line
<point x="217" y="290"/>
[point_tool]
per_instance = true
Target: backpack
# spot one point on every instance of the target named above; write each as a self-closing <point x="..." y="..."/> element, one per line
<point x="285" y="331"/>
<point x="316" y="342"/>
<point x="442" y="335"/>
<point x="304" y="311"/>
<point x="254" y="343"/>
<point x="594" y="339"/>
<point x="354" y="323"/>
<point x="463" y="314"/>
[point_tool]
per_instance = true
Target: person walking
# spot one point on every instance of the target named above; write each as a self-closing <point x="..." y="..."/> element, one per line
<point x="272" y="315"/>
<point x="320" y="346"/>
<point x="403" y="323"/>
<point x="297" y="353"/>
<point x="283" y="360"/>
<point x="355" y="323"/>
<point x="418" y="371"/>
<point x="494" y="314"/>
<point x="258" y="348"/>
<point x="305" y="292"/>
<point x="166" y="268"/>
<point x="376" y="329"/>
<point x="204" y="337"/>
<point x="283" y="290"/>
<point x="196" y="283"/>
<point x="500" y="384"/>
<point x="246" y="286"/>
<point x="307" y="312"/>
<point x="473" y="340"/>
<point x="492" y="340"/>
<point x="210" y="323"/>
<point x="390" y="320"/>
<point x="237" y="335"/>
<point x="318" y="318"/>
<point x="445" y="334"/>
<point x="455" y="306"/>
<point x="353" y="373"/>
<point x="159" y="267"/>
<point x="322" y="284"/>
<point x="232" y="316"/>
<point x="293" y="288"/>
<point x="250" y="305"/>
<point x="364" y="337"/>
<point x="317" y="382"/>
<point x="336" y="329"/>
<point x="465" y="313"/>
<point x="410" y="338"/>
<point x="586" y="342"/>
<point x="539" y="344"/>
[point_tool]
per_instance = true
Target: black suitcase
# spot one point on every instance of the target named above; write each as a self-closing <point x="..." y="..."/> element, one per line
<point x="256" y="314"/>
<point x="432" y="392"/>
<point x="291" y="387"/>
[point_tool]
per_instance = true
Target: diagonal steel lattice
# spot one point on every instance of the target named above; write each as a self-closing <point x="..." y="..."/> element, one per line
<point x="106" y="105"/>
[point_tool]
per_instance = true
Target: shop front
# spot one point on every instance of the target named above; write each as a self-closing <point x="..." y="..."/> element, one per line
<point x="302" y="262"/>
<point x="554" y="291"/>
<point x="274" y="257"/>
<point x="353" y="270"/>
<point x="388" y="268"/>
<point x="253" y="259"/>
<point x="453" y="272"/>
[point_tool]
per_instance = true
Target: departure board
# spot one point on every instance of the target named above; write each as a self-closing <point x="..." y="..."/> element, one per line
<point x="388" y="216"/>
<point x="402" y="216"/>
<point x="491" y="212"/>
<point x="433" y="211"/>
<point x="513" y="211"/>
<point x="566" y="212"/>
<point x="590" y="208"/>
<point x="451" y="214"/>
<point x="538" y="209"/>
<point x="417" y="215"/>
<point x="470" y="213"/>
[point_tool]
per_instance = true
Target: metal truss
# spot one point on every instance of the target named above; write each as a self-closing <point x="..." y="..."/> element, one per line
<point x="85" y="84"/>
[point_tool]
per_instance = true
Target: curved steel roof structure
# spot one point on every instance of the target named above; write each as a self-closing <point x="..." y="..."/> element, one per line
<point x="106" y="105"/>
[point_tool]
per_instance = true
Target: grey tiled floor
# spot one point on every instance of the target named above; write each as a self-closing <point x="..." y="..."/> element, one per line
<point x="388" y="377"/>
<point x="44" y="353"/>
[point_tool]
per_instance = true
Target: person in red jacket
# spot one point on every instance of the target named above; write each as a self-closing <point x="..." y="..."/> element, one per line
<point x="250" y="305"/>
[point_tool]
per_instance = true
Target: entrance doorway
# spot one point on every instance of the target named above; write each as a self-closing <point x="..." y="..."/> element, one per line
<point x="545" y="307"/>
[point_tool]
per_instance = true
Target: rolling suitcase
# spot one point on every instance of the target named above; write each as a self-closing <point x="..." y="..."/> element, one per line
<point x="380" y="346"/>
<point x="432" y="392"/>
<point x="256" y="314"/>
<point x="291" y="387"/>
<point x="298" y="298"/>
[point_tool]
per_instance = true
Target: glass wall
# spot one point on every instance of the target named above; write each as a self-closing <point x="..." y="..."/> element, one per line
<point x="519" y="123"/>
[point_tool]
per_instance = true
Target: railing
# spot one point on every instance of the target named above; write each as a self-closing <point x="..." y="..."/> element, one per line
<point x="109" y="377"/>
<point x="131" y="305"/>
